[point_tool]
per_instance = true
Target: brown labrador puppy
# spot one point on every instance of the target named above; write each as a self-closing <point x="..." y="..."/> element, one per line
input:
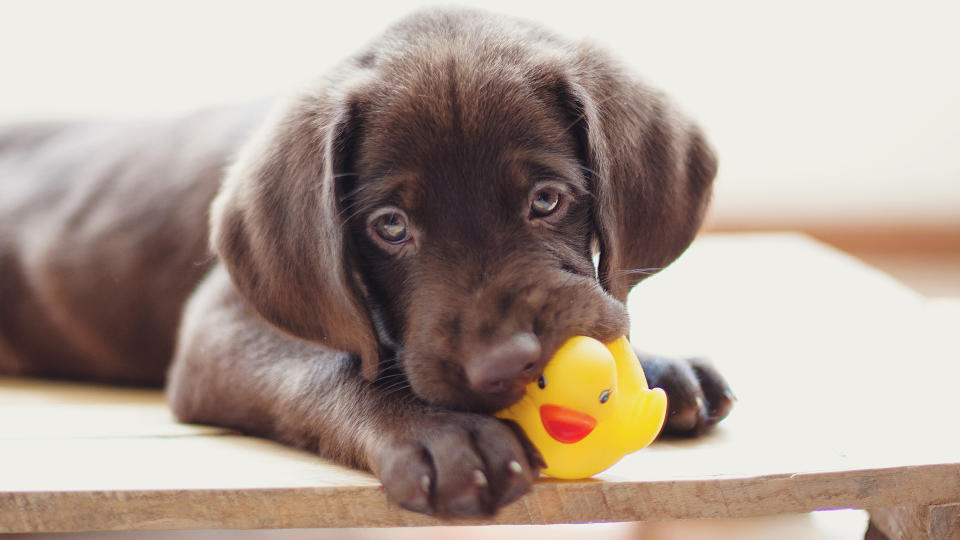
<point x="398" y="248"/>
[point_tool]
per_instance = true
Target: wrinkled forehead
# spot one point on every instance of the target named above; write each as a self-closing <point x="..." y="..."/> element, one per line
<point x="455" y="128"/>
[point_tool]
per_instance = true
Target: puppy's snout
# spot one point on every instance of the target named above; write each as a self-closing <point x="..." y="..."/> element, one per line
<point x="506" y="367"/>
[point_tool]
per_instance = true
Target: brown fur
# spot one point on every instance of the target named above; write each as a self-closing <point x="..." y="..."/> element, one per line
<point x="305" y="326"/>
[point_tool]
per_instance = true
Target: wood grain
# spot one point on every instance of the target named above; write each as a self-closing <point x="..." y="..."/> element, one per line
<point x="551" y="502"/>
<point x="845" y="380"/>
<point x="938" y="522"/>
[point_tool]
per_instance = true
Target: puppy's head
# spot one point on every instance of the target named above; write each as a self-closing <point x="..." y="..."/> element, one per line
<point x="446" y="201"/>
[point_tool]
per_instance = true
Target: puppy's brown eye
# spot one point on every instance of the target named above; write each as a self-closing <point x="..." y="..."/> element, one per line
<point x="545" y="202"/>
<point x="392" y="227"/>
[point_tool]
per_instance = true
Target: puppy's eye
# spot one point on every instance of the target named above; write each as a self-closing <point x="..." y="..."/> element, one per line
<point x="545" y="202"/>
<point x="391" y="227"/>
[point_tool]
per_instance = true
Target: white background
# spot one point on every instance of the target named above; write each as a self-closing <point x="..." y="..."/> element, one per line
<point x="821" y="111"/>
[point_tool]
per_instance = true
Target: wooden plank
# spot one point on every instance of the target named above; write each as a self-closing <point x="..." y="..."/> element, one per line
<point x="551" y="502"/>
<point x="89" y="421"/>
<point x="37" y="409"/>
<point x="845" y="382"/>
<point x="938" y="522"/>
<point x="17" y="391"/>
<point x="167" y="463"/>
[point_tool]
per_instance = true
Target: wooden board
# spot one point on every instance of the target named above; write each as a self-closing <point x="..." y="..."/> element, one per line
<point x="845" y="380"/>
<point x="935" y="522"/>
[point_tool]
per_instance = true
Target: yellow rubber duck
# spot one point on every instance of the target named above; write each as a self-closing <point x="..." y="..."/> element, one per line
<point x="591" y="407"/>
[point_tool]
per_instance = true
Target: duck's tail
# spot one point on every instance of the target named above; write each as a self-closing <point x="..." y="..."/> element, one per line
<point x="646" y="419"/>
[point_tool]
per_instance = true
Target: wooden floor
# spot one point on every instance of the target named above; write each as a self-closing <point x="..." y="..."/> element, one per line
<point x="845" y="380"/>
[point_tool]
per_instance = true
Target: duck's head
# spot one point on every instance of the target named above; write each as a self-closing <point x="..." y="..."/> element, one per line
<point x="590" y="407"/>
<point x="577" y="390"/>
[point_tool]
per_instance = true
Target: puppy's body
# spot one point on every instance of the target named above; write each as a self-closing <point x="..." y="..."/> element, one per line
<point x="411" y="236"/>
<point x="103" y="236"/>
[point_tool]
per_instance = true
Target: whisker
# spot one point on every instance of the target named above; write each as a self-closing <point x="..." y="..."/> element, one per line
<point x="589" y="170"/>
<point x="403" y="393"/>
<point x="390" y="377"/>
<point x="356" y="190"/>
<point x="348" y="202"/>
<point x="354" y="209"/>
<point x="584" y="113"/>
<point x="605" y="280"/>
<point x="390" y="373"/>
<point x="394" y="387"/>
<point x="651" y="270"/>
<point x="576" y="121"/>
<point x="384" y="382"/>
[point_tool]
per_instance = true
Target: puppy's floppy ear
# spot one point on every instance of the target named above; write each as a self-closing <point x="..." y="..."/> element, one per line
<point x="277" y="226"/>
<point x="652" y="171"/>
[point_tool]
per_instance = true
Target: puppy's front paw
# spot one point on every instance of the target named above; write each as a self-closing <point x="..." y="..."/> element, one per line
<point x="458" y="464"/>
<point x="697" y="395"/>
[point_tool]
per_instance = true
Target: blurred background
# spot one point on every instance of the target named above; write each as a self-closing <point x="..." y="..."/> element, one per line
<point x="839" y="119"/>
<point x="824" y="113"/>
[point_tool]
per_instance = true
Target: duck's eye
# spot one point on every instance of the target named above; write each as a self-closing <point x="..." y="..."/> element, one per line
<point x="542" y="382"/>
<point x="604" y="396"/>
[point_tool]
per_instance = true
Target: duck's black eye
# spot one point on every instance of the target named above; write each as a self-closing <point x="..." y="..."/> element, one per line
<point x="542" y="382"/>
<point x="604" y="396"/>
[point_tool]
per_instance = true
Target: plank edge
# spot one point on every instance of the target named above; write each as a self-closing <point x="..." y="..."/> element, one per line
<point x="550" y="502"/>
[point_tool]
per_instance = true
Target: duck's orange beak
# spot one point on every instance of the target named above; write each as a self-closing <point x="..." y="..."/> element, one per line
<point x="566" y="425"/>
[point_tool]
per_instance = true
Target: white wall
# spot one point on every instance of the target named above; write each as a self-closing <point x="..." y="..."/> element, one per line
<point x="829" y="111"/>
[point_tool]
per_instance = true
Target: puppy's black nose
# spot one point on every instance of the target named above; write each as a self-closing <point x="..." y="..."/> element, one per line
<point x="505" y="367"/>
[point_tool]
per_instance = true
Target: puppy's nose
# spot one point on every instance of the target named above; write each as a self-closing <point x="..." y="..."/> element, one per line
<point x="506" y="366"/>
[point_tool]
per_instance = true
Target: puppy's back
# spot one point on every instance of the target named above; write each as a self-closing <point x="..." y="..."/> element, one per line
<point x="102" y="237"/>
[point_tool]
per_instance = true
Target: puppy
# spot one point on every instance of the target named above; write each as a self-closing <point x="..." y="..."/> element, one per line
<point x="398" y="249"/>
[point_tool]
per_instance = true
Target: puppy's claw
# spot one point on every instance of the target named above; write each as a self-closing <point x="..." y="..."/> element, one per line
<point x="425" y="483"/>
<point x="479" y="479"/>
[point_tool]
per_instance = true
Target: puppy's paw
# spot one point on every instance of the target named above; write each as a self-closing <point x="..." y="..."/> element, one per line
<point x="697" y="395"/>
<point x="458" y="465"/>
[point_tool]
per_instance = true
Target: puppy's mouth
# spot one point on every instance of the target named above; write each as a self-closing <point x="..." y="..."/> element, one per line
<point x="493" y="402"/>
<point x="482" y="356"/>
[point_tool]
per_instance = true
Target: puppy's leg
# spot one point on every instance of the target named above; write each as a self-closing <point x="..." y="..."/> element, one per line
<point x="233" y="369"/>
<point x="697" y="395"/>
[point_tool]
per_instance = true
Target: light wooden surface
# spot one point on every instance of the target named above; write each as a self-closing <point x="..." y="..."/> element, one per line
<point x="935" y="522"/>
<point x="846" y="383"/>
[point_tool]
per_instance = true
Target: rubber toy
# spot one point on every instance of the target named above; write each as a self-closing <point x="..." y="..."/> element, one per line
<point x="591" y="407"/>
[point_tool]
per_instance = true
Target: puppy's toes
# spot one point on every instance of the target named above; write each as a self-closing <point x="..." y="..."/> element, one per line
<point x="463" y="486"/>
<point x="513" y="462"/>
<point x="457" y="465"/>
<point x="697" y="395"/>
<point x="406" y="471"/>
<point x="716" y="391"/>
